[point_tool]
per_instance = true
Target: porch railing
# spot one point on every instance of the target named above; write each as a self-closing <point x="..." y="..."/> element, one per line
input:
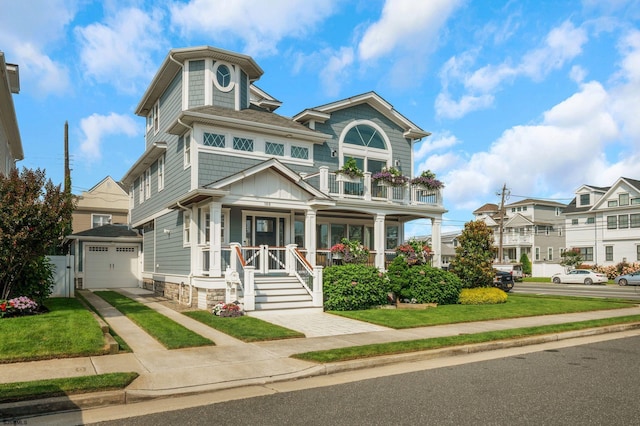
<point x="364" y="188"/>
<point x="246" y="262"/>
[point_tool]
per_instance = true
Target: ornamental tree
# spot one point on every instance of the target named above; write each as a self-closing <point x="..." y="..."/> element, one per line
<point x="526" y="264"/>
<point x="571" y="258"/>
<point x="34" y="215"/>
<point x="474" y="255"/>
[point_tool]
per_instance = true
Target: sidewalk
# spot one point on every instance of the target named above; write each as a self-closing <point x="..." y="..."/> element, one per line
<point x="233" y="363"/>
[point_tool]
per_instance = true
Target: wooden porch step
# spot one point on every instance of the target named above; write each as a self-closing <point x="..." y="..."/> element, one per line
<point x="273" y="292"/>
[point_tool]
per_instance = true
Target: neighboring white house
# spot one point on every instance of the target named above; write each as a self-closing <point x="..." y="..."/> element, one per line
<point x="604" y="222"/>
<point x="10" y="142"/>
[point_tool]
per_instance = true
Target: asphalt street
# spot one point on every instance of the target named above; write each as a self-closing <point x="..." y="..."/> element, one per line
<point x="586" y="384"/>
<point x="607" y="291"/>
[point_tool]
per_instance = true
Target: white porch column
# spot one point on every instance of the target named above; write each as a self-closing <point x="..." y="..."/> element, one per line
<point x="215" y="240"/>
<point x="310" y="235"/>
<point x="436" y="242"/>
<point x="367" y="186"/>
<point x="324" y="179"/>
<point x="318" y="300"/>
<point x="379" y="239"/>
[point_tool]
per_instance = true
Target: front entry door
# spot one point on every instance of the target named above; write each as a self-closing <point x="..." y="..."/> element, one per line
<point x="266" y="231"/>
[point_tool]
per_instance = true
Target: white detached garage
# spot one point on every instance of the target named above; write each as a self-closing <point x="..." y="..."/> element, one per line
<point x="107" y="256"/>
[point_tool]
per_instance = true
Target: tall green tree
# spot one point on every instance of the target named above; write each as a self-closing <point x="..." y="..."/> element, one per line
<point x="474" y="255"/>
<point x="34" y="215"/>
<point x="526" y="264"/>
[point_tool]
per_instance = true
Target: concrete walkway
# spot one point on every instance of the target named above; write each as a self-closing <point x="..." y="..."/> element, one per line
<point x="233" y="363"/>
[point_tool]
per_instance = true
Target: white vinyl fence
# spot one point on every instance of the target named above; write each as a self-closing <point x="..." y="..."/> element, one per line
<point x="63" y="276"/>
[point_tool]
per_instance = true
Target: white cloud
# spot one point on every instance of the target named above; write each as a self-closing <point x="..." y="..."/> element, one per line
<point x="96" y="128"/>
<point x="25" y="43"/>
<point x="434" y="143"/>
<point x="406" y="25"/>
<point x="561" y="45"/>
<point x="568" y="146"/>
<point x="119" y="51"/>
<point x="260" y="25"/>
<point x="336" y="71"/>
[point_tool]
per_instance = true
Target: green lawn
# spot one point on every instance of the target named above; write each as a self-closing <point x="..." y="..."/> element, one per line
<point x="67" y="330"/>
<point x="391" y="348"/>
<point x="166" y="331"/>
<point x="12" y="392"/>
<point x="516" y="306"/>
<point x="245" y="328"/>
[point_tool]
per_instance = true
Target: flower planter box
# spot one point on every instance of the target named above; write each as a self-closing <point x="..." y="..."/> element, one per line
<point x="400" y="305"/>
<point x="348" y="179"/>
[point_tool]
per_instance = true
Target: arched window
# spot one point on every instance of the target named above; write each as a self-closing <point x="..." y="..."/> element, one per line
<point x="364" y="135"/>
<point x="365" y="142"/>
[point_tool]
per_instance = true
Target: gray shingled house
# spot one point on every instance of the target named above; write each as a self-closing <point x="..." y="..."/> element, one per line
<point x="236" y="201"/>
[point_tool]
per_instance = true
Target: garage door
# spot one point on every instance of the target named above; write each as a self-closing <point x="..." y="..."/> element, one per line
<point x="110" y="266"/>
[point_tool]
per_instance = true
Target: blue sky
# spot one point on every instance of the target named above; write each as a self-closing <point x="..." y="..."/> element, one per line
<point x="540" y="95"/>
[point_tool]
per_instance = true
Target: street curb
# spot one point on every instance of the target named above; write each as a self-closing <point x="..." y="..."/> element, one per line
<point x="101" y="399"/>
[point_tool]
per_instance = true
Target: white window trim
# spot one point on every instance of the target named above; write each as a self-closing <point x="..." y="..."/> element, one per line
<point x="348" y="150"/>
<point x="233" y="76"/>
<point x="156" y="117"/>
<point x="93" y="215"/>
<point x="187" y="151"/>
<point x="161" y="173"/>
<point x="141" y="189"/>
<point x="147" y="184"/>
<point x="186" y="229"/>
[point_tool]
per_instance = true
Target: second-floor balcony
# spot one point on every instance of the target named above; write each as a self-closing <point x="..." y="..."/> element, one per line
<point x="364" y="188"/>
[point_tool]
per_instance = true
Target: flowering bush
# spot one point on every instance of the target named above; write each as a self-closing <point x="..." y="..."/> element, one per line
<point x="17" y="306"/>
<point x="350" y="168"/>
<point x="351" y="251"/>
<point x="390" y="175"/>
<point x="427" y="180"/>
<point x="227" y="310"/>
<point x="414" y="252"/>
<point x="619" y="269"/>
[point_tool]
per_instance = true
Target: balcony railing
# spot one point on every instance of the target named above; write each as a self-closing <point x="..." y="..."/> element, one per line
<point x="364" y="188"/>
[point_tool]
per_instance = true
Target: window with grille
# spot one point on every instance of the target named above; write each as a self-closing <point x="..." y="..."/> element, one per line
<point x="272" y="148"/>
<point x="300" y="152"/>
<point x="243" y="144"/>
<point x="635" y="220"/>
<point x="213" y="139"/>
<point x="623" y="221"/>
<point x="584" y="199"/>
<point x="612" y="222"/>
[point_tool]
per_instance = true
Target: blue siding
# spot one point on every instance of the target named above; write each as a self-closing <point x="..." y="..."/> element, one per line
<point x="196" y="83"/>
<point x="171" y="256"/>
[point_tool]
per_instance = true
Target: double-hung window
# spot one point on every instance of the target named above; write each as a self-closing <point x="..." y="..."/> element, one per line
<point x="161" y="173"/>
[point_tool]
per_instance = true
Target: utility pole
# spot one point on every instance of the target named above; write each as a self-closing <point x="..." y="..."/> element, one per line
<point x="67" y="171"/>
<point x="502" y="212"/>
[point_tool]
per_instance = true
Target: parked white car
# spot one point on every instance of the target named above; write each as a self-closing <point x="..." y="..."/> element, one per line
<point x="579" y="276"/>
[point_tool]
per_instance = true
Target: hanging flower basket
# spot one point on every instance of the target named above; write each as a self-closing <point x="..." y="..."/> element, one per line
<point x="349" y="172"/>
<point x="389" y="177"/>
<point x="427" y="180"/>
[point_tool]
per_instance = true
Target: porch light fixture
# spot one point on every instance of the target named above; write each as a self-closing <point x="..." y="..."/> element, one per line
<point x="334" y="153"/>
<point x="397" y="163"/>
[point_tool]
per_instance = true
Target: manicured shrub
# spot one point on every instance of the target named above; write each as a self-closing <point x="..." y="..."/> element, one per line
<point x="482" y="296"/>
<point x="423" y="283"/>
<point x="36" y="280"/>
<point x="352" y="287"/>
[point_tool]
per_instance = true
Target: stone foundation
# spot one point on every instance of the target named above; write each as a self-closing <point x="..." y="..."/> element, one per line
<point x="174" y="292"/>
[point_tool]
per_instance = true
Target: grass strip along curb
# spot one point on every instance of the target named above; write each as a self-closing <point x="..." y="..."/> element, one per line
<point x="406" y="346"/>
<point x="166" y="331"/>
<point x="22" y="391"/>
<point x="245" y="328"/>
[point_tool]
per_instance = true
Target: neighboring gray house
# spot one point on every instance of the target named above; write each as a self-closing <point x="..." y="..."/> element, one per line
<point x="604" y="222"/>
<point x="10" y="142"/>
<point x="531" y="226"/>
<point x="229" y="194"/>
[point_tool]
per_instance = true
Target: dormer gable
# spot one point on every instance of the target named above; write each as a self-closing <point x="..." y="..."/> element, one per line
<point x="588" y="196"/>
<point x="210" y="76"/>
<point x="623" y="193"/>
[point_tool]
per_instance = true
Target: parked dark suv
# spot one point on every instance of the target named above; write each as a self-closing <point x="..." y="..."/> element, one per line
<point x="503" y="280"/>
